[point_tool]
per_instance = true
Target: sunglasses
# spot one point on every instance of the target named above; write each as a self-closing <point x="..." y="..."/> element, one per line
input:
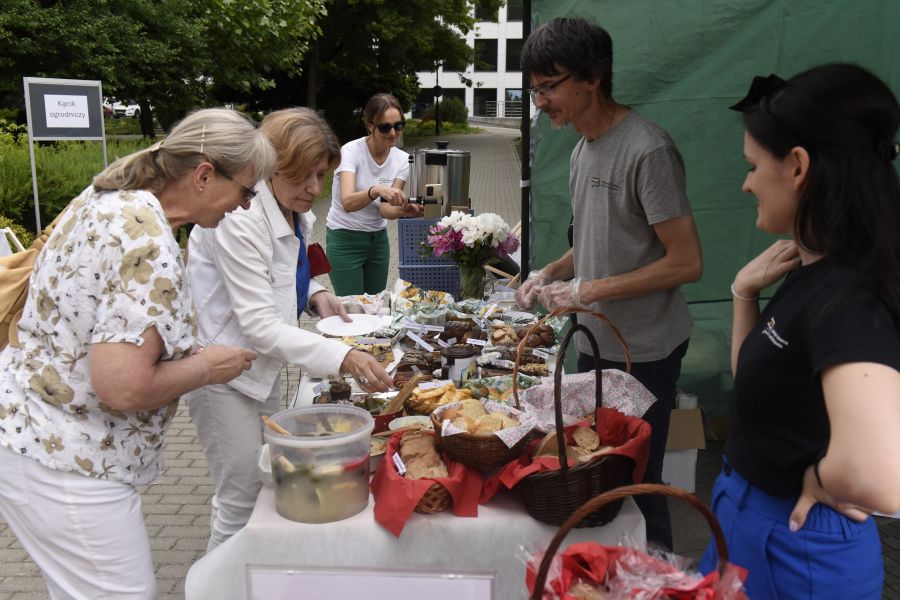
<point x="249" y="194"/>
<point x="386" y="127"/>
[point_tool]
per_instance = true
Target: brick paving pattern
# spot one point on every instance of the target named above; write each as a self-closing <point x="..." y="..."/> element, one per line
<point x="176" y="507"/>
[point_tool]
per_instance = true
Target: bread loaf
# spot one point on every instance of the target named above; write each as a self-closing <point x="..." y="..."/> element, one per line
<point x="418" y="452"/>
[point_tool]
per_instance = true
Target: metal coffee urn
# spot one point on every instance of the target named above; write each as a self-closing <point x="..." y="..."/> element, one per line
<point x="439" y="177"/>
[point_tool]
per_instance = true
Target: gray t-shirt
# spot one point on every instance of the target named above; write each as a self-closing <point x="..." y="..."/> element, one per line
<point x="621" y="185"/>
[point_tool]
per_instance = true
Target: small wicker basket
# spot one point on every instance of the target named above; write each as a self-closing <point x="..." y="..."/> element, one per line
<point x="483" y="452"/>
<point x="436" y="499"/>
<point x="553" y="496"/>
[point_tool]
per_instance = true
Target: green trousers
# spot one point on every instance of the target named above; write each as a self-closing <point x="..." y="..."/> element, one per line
<point x="359" y="260"/>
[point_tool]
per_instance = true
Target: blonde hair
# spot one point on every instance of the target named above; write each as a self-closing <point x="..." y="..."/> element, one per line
<point x="224" y="137"/>
<point x="301" y="139"/>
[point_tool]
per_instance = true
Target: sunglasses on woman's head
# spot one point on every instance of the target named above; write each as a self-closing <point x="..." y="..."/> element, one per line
<point x="386" y="127"/>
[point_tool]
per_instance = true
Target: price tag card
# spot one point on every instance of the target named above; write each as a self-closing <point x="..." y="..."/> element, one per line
<point x="398" y="462"/>
<point x="438" y="328"/>
<point x="481" y="343"/>
<point x="430" y="385"/>
<point x="541" y="353"/>
<point x="442" y="343"/>
<point x="420" y="342"/>
<point x="480" y="322"/>
<point x="490" y="310"/>
<point x="451" y="341"/>
<point x="321" y="387"/>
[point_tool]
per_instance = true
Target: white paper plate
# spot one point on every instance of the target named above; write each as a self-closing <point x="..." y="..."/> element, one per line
<point x="360" y="325"/>
<point x="402" y="422"/>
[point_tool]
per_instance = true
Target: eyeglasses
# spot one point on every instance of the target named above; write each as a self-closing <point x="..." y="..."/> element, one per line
<point x="386" y="127"/>
<point x="547" y="90"/>
<point x="249" y="193"/>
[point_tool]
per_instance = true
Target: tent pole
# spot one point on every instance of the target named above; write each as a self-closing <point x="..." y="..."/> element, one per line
<point x="525" y="253"/>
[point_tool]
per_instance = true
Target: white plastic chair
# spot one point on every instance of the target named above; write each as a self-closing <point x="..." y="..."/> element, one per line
<point x="5" y="249"/>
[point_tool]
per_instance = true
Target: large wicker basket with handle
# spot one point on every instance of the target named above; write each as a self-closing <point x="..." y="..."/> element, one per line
<point x="617" y="496"/>
<point x="553" y="496"/>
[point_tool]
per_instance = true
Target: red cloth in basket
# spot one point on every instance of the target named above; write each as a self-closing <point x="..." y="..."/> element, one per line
<point x="592" y="563"/>
<point x="396" y="496"/>
<point x="629" y="436"/>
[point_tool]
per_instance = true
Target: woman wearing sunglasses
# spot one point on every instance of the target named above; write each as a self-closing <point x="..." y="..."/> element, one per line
<point x="366" y="191"/>
<point x="251" y="278"/>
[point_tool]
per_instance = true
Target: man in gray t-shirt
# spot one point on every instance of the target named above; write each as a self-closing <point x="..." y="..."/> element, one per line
<point x="634" y="238"/>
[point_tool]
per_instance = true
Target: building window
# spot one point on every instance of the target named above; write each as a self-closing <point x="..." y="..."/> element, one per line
<point x="485" y="55"/>
<point x="485" y="102"/>
<point x="482" y="13"/>
<point x="512" y="106"/>
<point x="514" y="10"/>
<point x="513" y="55"/>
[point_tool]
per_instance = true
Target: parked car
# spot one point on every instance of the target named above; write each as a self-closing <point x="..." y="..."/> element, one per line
<point x="126" y="109"/>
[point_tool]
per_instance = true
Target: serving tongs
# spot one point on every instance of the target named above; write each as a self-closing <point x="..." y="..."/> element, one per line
<point x="397" y="401"/>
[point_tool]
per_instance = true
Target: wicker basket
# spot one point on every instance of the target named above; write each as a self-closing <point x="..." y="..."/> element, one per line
<point x="480" y="451"/>
<point x="553" y="496"/>
<point x="435" y="500"/>
<point x="616" y="497"/>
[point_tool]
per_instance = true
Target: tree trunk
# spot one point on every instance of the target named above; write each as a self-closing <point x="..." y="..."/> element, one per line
<point x="312" y="74"/>
<point x="146" y="119"/>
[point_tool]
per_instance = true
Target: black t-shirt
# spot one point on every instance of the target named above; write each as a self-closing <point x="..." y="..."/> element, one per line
<point x="819" y="317"/>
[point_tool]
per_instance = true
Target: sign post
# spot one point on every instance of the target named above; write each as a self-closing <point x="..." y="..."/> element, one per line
<point x="62" y="109"/>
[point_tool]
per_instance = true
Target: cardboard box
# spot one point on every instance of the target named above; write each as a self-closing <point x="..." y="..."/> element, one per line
<point x="686" y="436"/>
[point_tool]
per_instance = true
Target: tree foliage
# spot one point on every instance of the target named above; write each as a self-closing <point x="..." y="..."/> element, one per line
<point x="169" y="54"/>
<point x="370" y="46"/>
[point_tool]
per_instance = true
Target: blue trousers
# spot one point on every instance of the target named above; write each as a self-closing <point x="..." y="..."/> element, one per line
<point x="831" y="557"/>
<point x="660" y="377"/>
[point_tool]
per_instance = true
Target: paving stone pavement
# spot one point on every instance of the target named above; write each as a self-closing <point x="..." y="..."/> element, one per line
<point x="176" y="507"/>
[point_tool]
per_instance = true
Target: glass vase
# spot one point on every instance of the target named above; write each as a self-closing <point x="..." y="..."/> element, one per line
<point x="471" y="282"/>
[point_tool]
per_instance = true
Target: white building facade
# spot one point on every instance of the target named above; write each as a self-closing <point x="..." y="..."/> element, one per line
<point x="496" y="77"/>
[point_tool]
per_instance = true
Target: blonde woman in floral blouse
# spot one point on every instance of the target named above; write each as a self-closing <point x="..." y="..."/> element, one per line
<point x="106" y="343"/>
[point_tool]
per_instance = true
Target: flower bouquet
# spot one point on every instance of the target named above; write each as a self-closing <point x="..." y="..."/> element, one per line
<point x="471" y="242"/>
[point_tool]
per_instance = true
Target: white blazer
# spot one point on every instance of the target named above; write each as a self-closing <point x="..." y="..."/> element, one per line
<point x="242" y="275"/>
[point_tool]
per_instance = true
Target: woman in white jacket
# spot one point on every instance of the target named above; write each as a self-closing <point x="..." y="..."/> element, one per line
<point x="251" y="278"/>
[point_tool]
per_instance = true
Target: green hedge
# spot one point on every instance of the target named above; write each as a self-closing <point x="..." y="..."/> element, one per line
<point x="64" y="169"/>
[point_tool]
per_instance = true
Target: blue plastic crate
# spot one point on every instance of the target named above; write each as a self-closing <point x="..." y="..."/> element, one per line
<point x="410" y="234"/>
<point x="444" y="278"/>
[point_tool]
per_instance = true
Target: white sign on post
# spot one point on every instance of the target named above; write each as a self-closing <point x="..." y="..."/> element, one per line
<point x="66" y="111"/>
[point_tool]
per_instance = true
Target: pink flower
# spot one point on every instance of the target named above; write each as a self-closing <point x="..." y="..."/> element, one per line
<point x="508" y="246"/>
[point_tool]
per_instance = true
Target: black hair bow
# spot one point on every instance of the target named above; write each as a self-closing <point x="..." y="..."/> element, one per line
<point x="761" y="87"/>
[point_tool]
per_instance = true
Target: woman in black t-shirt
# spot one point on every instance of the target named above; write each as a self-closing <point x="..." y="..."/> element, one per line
<point x="816" y="409"/>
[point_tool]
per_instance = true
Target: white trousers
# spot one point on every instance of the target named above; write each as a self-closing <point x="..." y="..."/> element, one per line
<point x="229" y="426"/>
<point x="86" y="535"/>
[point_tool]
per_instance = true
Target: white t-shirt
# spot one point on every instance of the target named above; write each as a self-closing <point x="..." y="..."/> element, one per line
<point x="356" y="158"/>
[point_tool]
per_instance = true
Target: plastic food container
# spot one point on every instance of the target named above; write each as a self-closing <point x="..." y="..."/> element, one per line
<point x="459" y="362"/>
<point x="321" y="472"/>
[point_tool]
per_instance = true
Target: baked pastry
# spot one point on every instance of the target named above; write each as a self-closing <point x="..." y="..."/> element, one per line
<point x="504" y="335"/>
<point x="542" y="336"/>
<point x="338" y="390"/>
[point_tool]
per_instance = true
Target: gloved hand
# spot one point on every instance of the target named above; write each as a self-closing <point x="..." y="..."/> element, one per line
<point x="527" y="294"/>
<point x="327" y="304"/>
<point x="561" y="293"/>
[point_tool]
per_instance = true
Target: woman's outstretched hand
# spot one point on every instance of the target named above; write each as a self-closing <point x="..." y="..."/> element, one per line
<point x="767" y="268"/>
<point x="370" y="375"/>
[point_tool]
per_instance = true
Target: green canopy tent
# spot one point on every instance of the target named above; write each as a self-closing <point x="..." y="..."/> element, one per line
<point x="682" y="63"/>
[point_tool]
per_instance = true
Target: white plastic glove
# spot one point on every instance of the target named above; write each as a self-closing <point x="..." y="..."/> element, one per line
<point x="527" y="294"/>
<point x="561" y="293"/>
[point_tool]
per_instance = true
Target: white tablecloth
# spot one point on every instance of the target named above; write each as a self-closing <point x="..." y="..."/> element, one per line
<point x="440" y="543"/>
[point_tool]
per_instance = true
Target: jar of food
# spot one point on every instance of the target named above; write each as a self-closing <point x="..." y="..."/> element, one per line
<point x="458" y="363"/>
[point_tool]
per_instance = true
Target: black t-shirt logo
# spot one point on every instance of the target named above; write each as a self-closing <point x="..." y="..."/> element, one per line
<point x="774" y="337"/>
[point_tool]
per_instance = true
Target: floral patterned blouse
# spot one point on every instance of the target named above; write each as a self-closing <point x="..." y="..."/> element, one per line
<point x="111" y="269"/>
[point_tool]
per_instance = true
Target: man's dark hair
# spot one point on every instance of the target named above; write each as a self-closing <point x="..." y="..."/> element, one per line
<point x="575" y="46"/>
